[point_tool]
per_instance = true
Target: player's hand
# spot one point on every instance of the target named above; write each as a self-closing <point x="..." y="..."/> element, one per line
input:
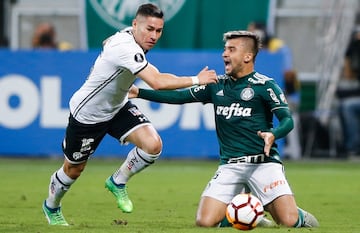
<point x="269" y="139"/>
<point x="207" y="76"/>
<point x="133" y="92"/>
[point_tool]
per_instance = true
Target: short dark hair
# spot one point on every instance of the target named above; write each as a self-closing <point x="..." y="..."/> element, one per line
<point x="150" y="9"/>
<point x="245" y="34"/>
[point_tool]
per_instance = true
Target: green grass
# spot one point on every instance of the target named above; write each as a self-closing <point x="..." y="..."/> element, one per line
<point x="165" y="196"/>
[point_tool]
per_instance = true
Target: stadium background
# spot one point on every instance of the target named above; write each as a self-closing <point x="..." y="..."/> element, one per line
<point x="36" y="85"/>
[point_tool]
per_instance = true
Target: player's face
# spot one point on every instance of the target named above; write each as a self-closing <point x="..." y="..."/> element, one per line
<point x="236" y="57"/>
<point x="147" y="31"/>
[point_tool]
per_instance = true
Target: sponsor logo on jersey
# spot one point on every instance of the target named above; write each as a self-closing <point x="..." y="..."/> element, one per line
<point x="199" y="88"/>
<point x="247" y="94"/>
<point x="139" y="57"/>
<point x="273" y="95"/>
<point x="233" y="110"/>
<point x="283" y="98"/>
<point x="119" y="13"/>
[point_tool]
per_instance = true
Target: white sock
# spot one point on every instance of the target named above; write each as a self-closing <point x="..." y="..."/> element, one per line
<point x="136" y="161"/>
<point x="59" y="184"/>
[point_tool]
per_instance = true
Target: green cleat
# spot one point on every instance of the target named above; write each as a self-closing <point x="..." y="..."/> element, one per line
<point x="54" y="216"/>
<point x="123" y="201"/>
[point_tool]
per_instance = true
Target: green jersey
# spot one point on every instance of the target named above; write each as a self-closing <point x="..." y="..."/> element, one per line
<point x="242" y="107"/>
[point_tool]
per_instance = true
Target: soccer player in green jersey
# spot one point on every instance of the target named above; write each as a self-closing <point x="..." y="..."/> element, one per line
<point x="244" y="104"/>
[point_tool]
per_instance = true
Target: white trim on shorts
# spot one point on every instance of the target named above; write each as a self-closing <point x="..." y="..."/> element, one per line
<point x="122" y="139"/>
<point x="74" y="162"/>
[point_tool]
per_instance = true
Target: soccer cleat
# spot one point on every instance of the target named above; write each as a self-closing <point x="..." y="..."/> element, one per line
<point x="54" y="216"/>
<point x="265" y="222"/>
<point x="309" y="219"/>
<point x="120" y="193"/>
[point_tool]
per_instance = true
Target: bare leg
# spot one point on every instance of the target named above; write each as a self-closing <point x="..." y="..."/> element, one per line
<point x="210" y="212"/>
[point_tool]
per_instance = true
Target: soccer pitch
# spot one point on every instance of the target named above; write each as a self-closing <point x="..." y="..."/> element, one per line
<point x="165" y="196"/>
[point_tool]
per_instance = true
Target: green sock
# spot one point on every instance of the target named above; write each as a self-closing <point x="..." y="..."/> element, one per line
<point x="300" y="220"/>
<point x="225" y="223"/>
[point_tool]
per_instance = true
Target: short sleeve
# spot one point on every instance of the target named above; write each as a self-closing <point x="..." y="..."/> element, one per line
<point x="124" y="52"/>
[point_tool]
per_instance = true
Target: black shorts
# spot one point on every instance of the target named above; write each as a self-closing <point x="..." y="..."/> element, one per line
<point x="81" y="140"/>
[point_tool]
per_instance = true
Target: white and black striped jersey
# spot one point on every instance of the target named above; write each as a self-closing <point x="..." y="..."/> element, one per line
<point x="105" y="91"/>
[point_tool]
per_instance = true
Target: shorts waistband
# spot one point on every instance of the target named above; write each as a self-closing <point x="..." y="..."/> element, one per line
<point x="259" y="158"/>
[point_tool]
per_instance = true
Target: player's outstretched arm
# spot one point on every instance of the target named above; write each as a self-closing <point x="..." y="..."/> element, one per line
<point x="165" y="81"/>
<point x="163" y="96"/>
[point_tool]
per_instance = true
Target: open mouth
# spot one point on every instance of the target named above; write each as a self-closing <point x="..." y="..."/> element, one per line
<point x="227" y="63"/>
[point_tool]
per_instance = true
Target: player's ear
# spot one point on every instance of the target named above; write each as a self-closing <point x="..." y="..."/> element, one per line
<point x="248" y="57"/>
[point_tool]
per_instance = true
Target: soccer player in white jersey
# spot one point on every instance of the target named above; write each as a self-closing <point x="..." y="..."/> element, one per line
<point x="101" y="107"/>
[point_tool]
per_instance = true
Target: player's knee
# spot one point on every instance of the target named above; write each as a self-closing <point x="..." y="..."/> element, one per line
<point x="289" y="220"/>
<point x="74" y="170"/>
<point x="201" y="223"/>
<point x="204" y="222"/>
<point x="153" y="146"/>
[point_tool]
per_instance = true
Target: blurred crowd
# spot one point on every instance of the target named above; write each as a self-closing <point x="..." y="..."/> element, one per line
<point x="348" y="94"/>
<point x="44" y="37"/>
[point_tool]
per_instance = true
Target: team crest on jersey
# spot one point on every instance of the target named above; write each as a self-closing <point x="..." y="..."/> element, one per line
<point x="139" y="57"/>
<point x="247" y="94"/>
